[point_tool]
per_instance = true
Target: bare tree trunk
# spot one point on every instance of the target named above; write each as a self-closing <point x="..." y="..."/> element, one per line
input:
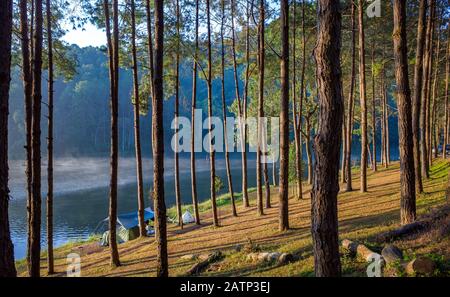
<point x="224" y="111"/>
<point x="407" y="175"/>
<point x="446" y="101"/>
<point x="50" y="257"/>
<point x="424" y="107"/>
<point x="386" y="118"/>
<point x="35" y="242"/>
<point x="245" y="198"/>
<point x="113" y="54"/>
<point x="241" y="124"/>
<point x="162" y="266"/>
<point x="296" y="119"/>
<point x="432" y="124"/>
<point x="324" y="221"/>
<point x="261" y="56"/>
<point x="177" y="102"/>
<point x="194" y="102"/>
<point x="284" y="119"/>
<point x="308" y="149"/>
<point x="211" y="146"/>
<point x="7" y="268"/>
<point x="274" y="174"/>
<point x="27" y="87"/>
<point x="429" y="89"/>
<point x="418" y="79"/>
<point x="344" y="149"/>
<point x="137" y="132"/>
<point x="362" y="92"/>
<point x="349" y="133"/>
<point x="374" y="114"/>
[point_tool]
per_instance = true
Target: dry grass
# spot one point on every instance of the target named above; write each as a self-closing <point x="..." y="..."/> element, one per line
<point x="361" y="216"/>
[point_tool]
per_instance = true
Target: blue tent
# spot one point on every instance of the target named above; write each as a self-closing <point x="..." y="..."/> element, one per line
<point x="131" y="219"/>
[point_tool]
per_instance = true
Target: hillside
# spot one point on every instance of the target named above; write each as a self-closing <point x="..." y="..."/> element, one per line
<point x="361" y="217"/>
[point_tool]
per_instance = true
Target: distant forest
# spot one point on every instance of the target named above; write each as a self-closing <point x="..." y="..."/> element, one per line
<point x="82" y="119"/>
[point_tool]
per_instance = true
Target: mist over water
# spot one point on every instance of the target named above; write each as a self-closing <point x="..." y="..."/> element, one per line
<point x="81" y="190"/>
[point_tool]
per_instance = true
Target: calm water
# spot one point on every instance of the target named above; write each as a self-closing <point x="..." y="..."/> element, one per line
<point x="81" y="188"/>
<point x="81" y="193"/>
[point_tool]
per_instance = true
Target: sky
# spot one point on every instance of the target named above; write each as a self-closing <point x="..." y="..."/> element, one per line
<point x="88" y="36"/>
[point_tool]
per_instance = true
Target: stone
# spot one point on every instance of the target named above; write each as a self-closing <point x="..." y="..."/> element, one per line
<point x="420" y="265"/>
<point x="391" y="253"/>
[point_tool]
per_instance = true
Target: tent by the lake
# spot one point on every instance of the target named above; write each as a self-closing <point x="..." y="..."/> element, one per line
<point x="127" y="225"/>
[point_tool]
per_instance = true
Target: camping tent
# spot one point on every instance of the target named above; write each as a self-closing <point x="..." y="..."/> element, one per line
<point x="128" y="224"/>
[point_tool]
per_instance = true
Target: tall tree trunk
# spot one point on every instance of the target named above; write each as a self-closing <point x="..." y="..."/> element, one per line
<point x="162" y="266"/>
<point x="224" y="111"/>
<point x="260" y="128"/>
<point x="432" y="123"/>
<point x="324" y="221"/>
<point x="426" y="69"/>
<point x="362" y="94"/>
<point x="296" y="119"/>
<point x="245" y="198"/>
<point x="211" y="146"/>
<point x="177" y="102"/>
<point x="429" y="89"/>
<point x="284" y="119"/>
<point x="374" y="114"/>
<point x="344" y="148"/>
<point x="349" y="133"/>
<point x="418" y="79"/>
<point x="386" y="124"/>
<point x="27" y="87"/>
<point x="7" y="268"/>
<point x="308" y="149"/>
<point x="113" y="76"/>
<point x="137" y="131"/>
<point x="50" y="258"/>
<point x="446" y="101"/>
<point x="241" y="123"/>
<point x="194" y="102"/>
<point x="35" y="242"/>
<point x="407" y="175"/>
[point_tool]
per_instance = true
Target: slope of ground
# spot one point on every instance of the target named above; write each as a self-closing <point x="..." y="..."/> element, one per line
<point x="361" y="217"/>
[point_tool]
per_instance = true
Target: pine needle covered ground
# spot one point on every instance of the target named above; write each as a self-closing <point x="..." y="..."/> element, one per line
<point x="361" y="217"/>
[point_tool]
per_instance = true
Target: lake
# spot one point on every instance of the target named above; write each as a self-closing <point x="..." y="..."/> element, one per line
<point x="81" y="189"/>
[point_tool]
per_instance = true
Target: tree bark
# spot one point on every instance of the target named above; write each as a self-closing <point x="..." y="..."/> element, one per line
<point x="162" y="266"/>
<point x="324" y="221"/>
<point x="296" y="116"/>
<point x="177" y="102"/>
<point x="374" y="114"/>
<point x="362" y="94"/>
<point x="284" y="119"/>
<point x="113" y="47"/>
<point x="261" y="56"/>
<point x="407" y="175"/>
<point x="245" y="198"/>
<point x="241" y="124"/>
<point x="224" y="111"/>
<point x="35" y="242"/>
<point x="446" y="101"/>
<point x="426" y="68"/>
<point x="418" y="79"/>
<point x="211" y="146"/>
<point x="137" y="131"/>
<point x="7" y="268"/>
<point x="349" y="133"/>
<point x="432" y="124"/>
<point x="27" y="87"/>
<point x="50" y="257"/>
<point x="194" y="102"/>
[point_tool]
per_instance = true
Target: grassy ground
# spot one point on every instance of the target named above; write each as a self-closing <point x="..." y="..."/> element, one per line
<point x="361" y="217"/>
